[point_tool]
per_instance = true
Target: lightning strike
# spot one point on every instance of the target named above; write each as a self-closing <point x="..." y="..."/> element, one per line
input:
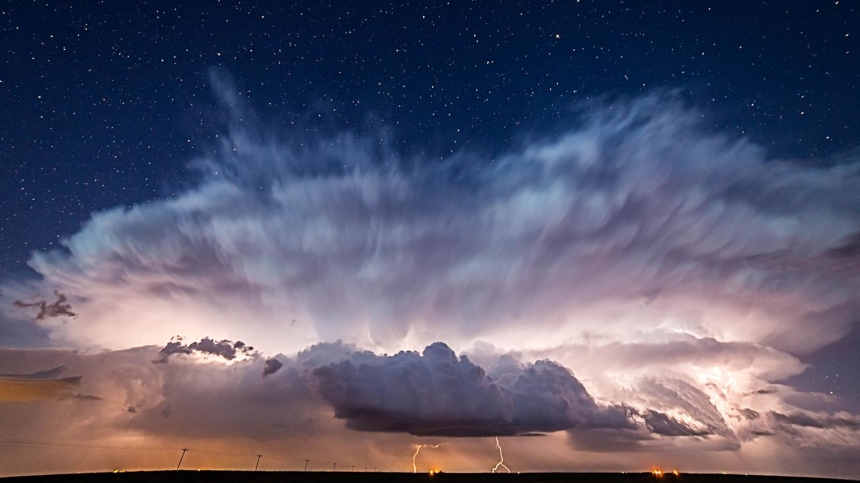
<point x="418" y="450"/>
<point x="501" y="458"/>
<point x="731" y="383"/>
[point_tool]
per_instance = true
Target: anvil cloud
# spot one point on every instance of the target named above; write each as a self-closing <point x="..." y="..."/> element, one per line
<point x="635" y="221"/>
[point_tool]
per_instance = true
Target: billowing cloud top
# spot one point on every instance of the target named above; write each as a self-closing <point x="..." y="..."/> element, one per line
<point x="635" y="221"/>
<point x="436" y="393"/>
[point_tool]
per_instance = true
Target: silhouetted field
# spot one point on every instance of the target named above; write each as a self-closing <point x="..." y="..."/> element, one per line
<point x="363" y="477"/>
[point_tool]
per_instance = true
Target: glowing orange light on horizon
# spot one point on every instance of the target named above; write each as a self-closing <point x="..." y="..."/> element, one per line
<point x="659" y="473"/>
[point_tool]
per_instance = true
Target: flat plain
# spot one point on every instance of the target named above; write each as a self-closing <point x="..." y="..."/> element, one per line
<point x="374" y="477"/>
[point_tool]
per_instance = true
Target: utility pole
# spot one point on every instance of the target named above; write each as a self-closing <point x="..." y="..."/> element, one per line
<point x="180" y="458"/>
<point x="258" y="462"/>
<point x="306" y="464"/>
<point x="353" y="467"/>
<point x="334" y="467"/>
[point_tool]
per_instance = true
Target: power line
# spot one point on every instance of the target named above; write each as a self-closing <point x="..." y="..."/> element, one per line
<point x="180" y="458"/>
<point x="85" y="446"/>
<point x="248" y="455"/>
<point x="198" y="450"/>
<point x="33" y="442"/>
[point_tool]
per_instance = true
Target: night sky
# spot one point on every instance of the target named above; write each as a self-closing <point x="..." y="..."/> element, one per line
<point x="638" y="221"/>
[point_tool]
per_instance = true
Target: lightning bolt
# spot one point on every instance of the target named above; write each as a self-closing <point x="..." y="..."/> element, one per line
<point x="731" y="382"/>
<point x="501" y="458"/>
<point x="418" y="450"/>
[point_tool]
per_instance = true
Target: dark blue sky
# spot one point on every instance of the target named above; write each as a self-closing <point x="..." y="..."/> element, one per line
<point x="104" y="104"/>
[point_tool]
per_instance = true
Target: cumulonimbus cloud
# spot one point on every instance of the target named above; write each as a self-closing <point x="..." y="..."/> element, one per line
<point x="677" y="270"/>
<point x="435" y="393"/>
<point x="203" y="401"/>
<point x="635" y="218"/>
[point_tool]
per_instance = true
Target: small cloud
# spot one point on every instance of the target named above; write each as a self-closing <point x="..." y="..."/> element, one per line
<point x="818" y="420"/>
<point x="271" y="366"/>
<point x="749" y="414"/>
<point x="60" y="308"/>
<point x="849" y="249"/>
<point x="225" y="349"/>
<point x="664" y="425"/>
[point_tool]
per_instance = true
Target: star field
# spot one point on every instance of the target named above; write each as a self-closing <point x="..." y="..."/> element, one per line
<point x="104" y="104"/>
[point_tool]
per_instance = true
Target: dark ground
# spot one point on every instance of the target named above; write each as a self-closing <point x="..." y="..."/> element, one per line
<point x="361" y="477"/>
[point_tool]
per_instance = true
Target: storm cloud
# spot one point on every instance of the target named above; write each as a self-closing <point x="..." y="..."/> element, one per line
<point x="395" y="401"/>
<point x="638" y="209"/>
<point x="435" y="393"/>
<point x="621" y="249"/>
